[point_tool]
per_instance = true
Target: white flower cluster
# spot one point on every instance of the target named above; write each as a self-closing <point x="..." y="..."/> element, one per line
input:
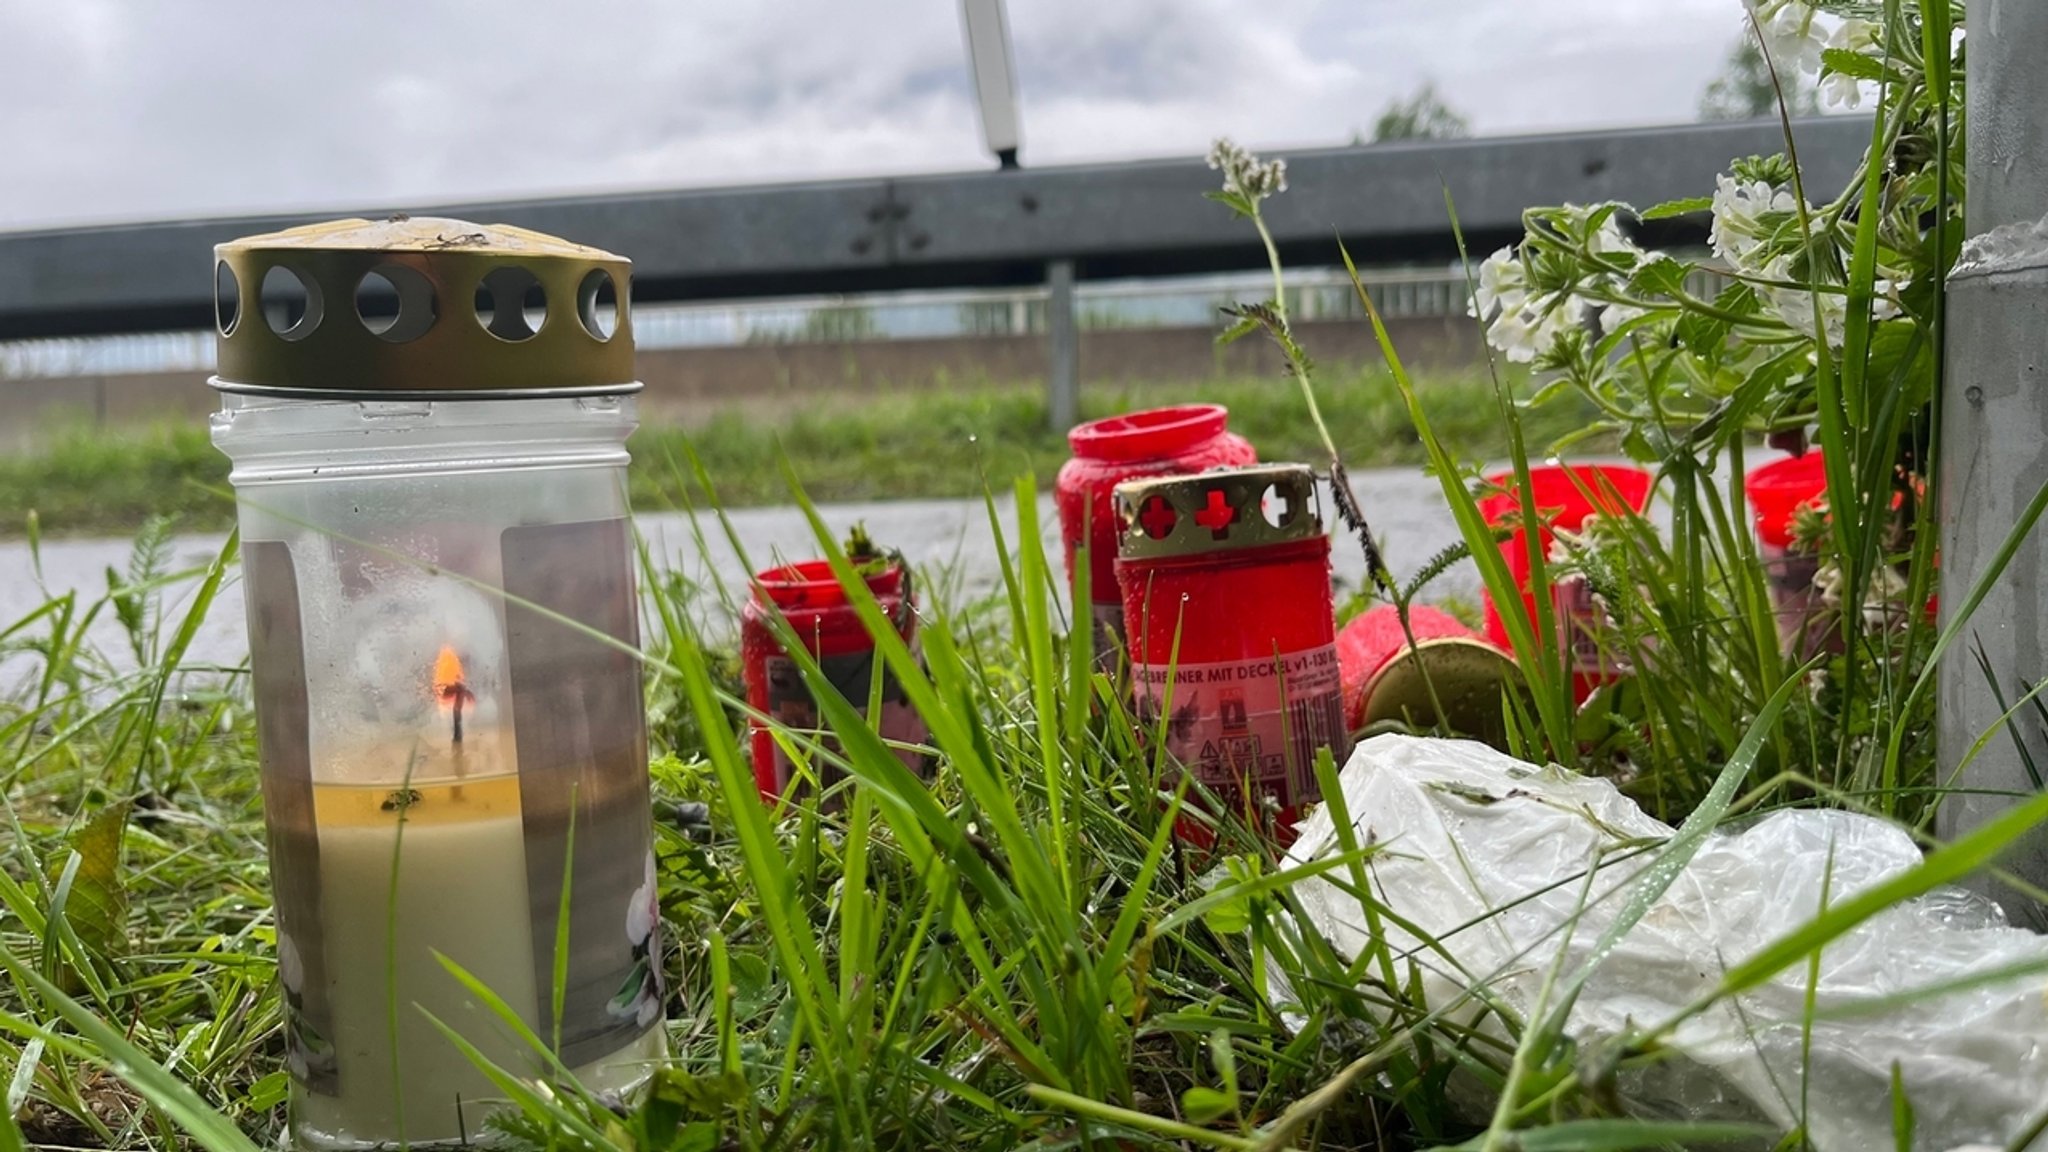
<point x="1520" y="324"/>
<point x="1795" y="34"/>
<point x="1743" y="217"/>
<point x="1863" y="38"/>
<point x="1522" y="321"/>
<point x="1795" y="306"/>
<point x="1244" y="173"/>
<point x="1754" y="217"/>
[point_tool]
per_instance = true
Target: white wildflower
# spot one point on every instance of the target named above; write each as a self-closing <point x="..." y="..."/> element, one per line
<point x="1559" y="313"/>
<point x="1610" y="240"/>
<point x="1792" y="35"/>
<point x="291" y="971"/>
<point x="1884" y="298"/>
<point x="1795" y="306"/>
<point x="1521" y="333"/>
<point x="643" y="909"/>
<point x="1244" y="173"/>
<point x="1858" y="36"/>
<point x="1882" y="599"/>
<point x="1513" y="335"/>
<point x="1613" y="316"/>
<point x="1741" y="209"/>
<point x="1503" y="283"/>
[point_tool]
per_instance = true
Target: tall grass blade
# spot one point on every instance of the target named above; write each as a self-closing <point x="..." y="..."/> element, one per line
<point x="163" y="1091"/>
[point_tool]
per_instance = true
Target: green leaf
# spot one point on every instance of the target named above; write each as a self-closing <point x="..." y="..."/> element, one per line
<point x="1232" y="200"/>
<point x="1934" y="48"/>
<point x="1739" y="298"/>
<point x="1224" y="1059"/>
<point x="1847" y="63"/>
<point x="1682" y="207"/>
<point x="1702" y="335"/>
<point x="1230" y="917"/>
<point x="1238" y="331"/>
<point x="1123" y="995"/>
<point x="702" y="1136"/>
<point x="268" y="1091"/>
<point x="96" y="905"/>
<point x="1659" y="275"/>
<point x="1206" y="1105"/>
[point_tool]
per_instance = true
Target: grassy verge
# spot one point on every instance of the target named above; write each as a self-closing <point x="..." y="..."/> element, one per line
<point x="1015" y="953"/>
<point x="930" y="445"/>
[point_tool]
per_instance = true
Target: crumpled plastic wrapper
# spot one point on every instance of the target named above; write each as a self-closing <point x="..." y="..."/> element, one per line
<point x="1464" y="830"/>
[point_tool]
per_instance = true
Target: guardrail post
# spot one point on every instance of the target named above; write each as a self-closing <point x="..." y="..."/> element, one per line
<point x="1994" y="431"/>
<point x="1062" y="348"/>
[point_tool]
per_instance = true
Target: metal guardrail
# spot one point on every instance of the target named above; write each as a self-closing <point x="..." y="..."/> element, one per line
<point x="980" y="230"/>
<point x="1054" y="227"/>
<point x="1191" y="302"/>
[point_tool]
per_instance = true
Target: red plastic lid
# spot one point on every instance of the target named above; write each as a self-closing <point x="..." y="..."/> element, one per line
<point x="1148" y="435"/>
<point x="811" y="584"/>
<point x="1557" y="489"/>
<point x="1778" y="490"/>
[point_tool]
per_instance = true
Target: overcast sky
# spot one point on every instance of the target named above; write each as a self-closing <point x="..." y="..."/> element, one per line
<point x="133" y="109"/>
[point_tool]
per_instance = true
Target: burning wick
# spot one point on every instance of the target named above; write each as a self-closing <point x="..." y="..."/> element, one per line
<point x="450" y="689"/>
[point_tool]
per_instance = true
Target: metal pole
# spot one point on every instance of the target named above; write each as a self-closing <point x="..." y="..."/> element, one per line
<point x="1994" y="431"/>
<point x="1062" y="348"/>
<point x="995" y="85"/>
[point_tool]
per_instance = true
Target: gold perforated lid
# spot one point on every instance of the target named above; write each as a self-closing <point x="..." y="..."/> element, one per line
<point x="1219" y="510"/>
<point x="1466" y="676"/>
<point x="424" y="306"/>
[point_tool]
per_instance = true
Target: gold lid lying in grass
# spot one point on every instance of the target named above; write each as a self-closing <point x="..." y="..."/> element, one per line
<point x="1471" y="679"/>
<point x="425" y="306"/>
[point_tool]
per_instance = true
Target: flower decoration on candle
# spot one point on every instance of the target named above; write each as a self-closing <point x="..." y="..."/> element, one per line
<point x="639" y="999"/>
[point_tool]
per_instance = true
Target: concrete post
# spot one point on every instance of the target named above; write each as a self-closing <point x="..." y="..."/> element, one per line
<point x="1994" y="426"/>
<point x="1062" y="348"/>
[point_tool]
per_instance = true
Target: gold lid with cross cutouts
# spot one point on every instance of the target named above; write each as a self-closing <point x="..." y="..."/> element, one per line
<point x="426" y="307"/>
<point x="1223" y="509"/>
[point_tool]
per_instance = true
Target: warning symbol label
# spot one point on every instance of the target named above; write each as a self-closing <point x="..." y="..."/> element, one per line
<point x="1256" y="723"/>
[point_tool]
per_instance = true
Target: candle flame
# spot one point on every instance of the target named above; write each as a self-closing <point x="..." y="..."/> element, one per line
<point x="448" y="683"/>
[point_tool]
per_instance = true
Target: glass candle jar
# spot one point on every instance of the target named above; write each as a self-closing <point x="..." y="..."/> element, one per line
<point x="821" y="617"/>
<point x="443" y="620"/>
<point x="1155" y="442"/>
<point x="1226" y="585"/>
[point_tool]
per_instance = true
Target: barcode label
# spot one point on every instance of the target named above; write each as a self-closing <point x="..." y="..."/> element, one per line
<point x="1313" y="724"/>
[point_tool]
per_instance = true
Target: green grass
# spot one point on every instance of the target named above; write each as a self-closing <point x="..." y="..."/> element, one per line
<point x="939" y="444"/>
<point x="1017" y="953"/>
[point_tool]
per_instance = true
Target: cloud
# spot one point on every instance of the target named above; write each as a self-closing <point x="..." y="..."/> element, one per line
<point x="130" y="109"/>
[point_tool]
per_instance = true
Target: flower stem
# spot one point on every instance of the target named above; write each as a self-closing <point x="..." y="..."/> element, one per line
<point x="1300" y="369"/>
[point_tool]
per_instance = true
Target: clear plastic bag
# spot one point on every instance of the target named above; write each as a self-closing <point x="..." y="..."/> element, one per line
<point x="1495" y="859"/>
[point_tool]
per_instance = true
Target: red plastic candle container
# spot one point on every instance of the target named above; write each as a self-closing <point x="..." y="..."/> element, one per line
<point x="1155" y="442"/>
<point x="1560" y="503"/>
<point x="1450" y="666"/>
<point x="1226" y="588"/>
<point x="811" y="599"/>
<point x="1777" y="491"/>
